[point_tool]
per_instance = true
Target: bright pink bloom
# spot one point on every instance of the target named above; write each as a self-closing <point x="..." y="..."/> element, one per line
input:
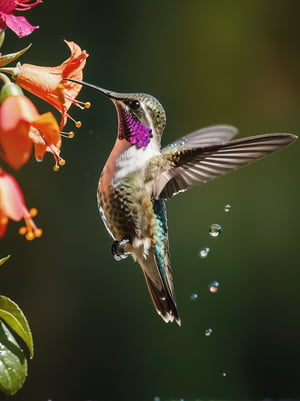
<point x="17" y="24"/>
<point x="12" y="206"/>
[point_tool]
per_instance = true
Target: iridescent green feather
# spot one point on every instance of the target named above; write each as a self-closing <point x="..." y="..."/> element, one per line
<point x="161" y="236"/>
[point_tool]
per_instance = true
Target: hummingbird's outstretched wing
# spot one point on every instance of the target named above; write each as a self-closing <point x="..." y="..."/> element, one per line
<point x="156" y="267"/>
<point x="186" y="165"/>
<point x="213" y="135"/>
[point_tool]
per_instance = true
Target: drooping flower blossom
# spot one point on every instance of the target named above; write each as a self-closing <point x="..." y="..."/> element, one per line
<point x="17" y="24"/>
<point x="12" y="206"/>
<point x="21" y="127"/>
<point x="48" y="82"/>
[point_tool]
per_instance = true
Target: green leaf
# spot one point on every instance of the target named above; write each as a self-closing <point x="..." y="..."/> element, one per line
<point x="13" y="364"/>
<point x="16" y="320"/>
<point x="2" y="37"/>
<point x="8" y="58"/>
<point x="3" y="260"/>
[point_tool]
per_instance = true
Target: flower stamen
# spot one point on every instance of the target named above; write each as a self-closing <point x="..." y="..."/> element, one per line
<point x="59" y="161"/>
<point x="68" y="135"/>
<point x="33" y="212"/>
<point x="77" y="124"/>
<point x="4" y="220"/>
<point x="24" y="7"/>
<point x="30" y="230"/>
<point x="78" y="103"/>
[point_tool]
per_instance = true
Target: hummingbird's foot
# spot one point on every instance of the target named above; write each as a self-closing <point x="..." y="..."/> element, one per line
<point x="118" y="251"/>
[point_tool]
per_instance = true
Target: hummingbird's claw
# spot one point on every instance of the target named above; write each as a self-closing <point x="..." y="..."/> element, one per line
<point x="118" y="251"/>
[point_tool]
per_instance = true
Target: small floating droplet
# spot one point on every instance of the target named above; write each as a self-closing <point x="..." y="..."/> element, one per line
<point x="224" y="374"/>
<point x="227" y="208"/>
<point x="214" y="286"/>
<point x="208" y="332"/>
<point x="156" y="399"/>
<point x="204" y="252"/>
<point x="215" y="230"/>
<point x="194" y="297"/>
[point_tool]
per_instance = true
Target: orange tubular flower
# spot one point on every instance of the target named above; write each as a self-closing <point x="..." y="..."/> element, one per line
<point x="48" y="84"/>
<point x="21" y="127"/>
<point x="12" y="206"/>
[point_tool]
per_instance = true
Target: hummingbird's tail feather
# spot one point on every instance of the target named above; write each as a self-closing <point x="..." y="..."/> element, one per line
<point x="160" y="285"/>
<point x="163" y="302"/>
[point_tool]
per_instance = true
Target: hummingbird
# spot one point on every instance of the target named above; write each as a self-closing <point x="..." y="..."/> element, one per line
<point x="139" y="176"/>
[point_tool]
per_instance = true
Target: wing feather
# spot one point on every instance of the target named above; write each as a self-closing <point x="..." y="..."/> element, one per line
<point x="188" y="166"/>
<point x="208" y="136"/>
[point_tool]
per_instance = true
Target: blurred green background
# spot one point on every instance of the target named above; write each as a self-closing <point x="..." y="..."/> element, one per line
<point x="96" y="334"/>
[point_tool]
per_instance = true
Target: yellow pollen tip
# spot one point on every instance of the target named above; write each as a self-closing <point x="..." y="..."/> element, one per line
<point x="38" y="232"/>
<point x="87" y="105"/>
<point x="29" y="236"/>
<point x="22" y="230"/>
<point x="78" y="124"/>
<point x="71" y="134"/>
<point x="62" y="162"/>
<point x="33" y="212"/>
<point x="56" y="167"/>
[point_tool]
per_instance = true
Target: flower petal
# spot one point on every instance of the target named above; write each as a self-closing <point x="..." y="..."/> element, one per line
<point x="48" y="84"/>
<point x="16" y="152"/>
<point x="47" y="125"/>
<point x="3" y="223"/>
<point x="19" y="25"/>
<point x="12" y="203"/>
<point x="16" y="108"/>
<point x="16" y="114"/>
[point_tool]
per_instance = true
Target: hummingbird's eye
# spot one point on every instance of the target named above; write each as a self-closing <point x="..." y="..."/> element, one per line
<point x="134" y="104"/>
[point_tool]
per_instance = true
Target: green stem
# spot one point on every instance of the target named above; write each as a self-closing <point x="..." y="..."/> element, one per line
<point x="4" y="78"/>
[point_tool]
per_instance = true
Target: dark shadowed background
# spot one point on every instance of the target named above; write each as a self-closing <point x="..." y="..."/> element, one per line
<point x="96" y="334"/>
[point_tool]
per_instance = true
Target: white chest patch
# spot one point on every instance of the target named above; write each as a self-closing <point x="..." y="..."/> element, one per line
<point x="133" y="160"/>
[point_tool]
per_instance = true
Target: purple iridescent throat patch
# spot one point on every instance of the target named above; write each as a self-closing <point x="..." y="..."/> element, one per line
<point x="133" y="130"/>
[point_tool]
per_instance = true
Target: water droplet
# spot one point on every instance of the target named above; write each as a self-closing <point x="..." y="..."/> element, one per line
<point x="204" y="252"/>
<point x="215" y="230"/>
<point x="156" y="399"/>
<point x="194" y="297"/>
<point x="214" y="286"/>
<point x="208" y="332"/>
<point x="227" y="208"/>
<point x="224" y="374"/>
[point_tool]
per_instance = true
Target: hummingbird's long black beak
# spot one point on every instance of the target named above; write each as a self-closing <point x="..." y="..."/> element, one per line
<point x="110" y="94"/>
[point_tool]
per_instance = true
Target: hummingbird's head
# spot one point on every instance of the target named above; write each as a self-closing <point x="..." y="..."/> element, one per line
<point x="141" y="116"/>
